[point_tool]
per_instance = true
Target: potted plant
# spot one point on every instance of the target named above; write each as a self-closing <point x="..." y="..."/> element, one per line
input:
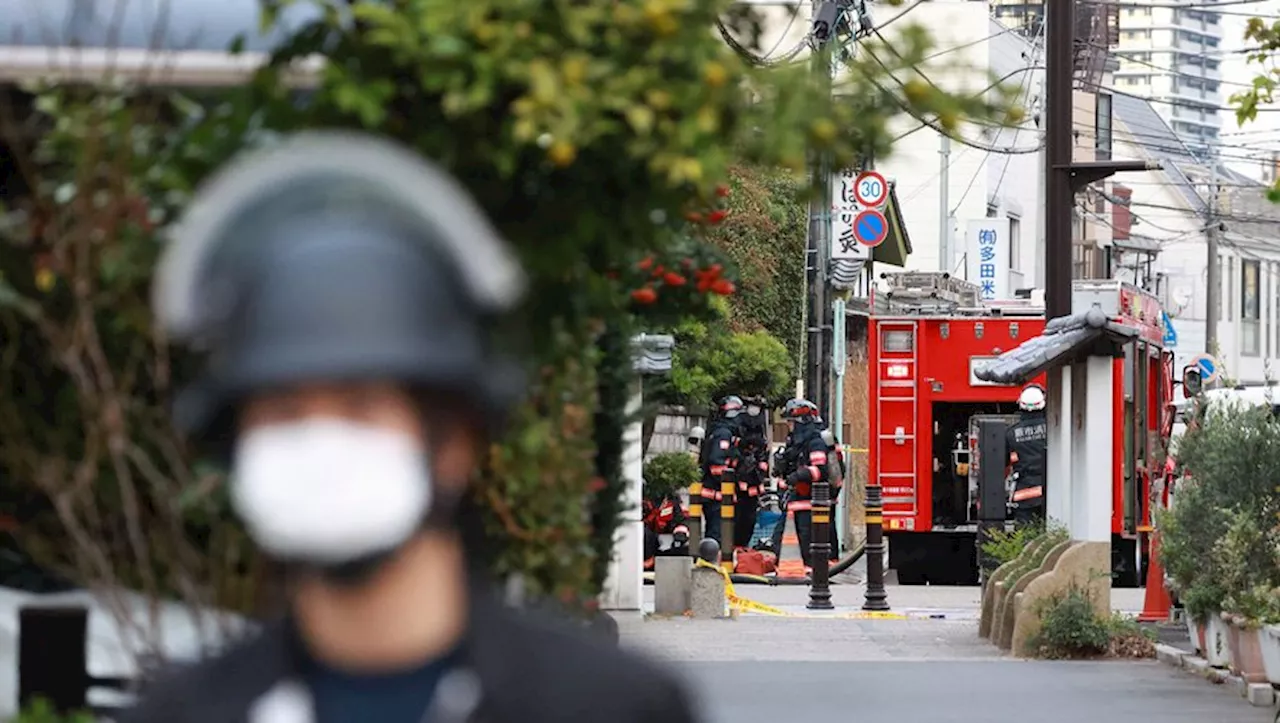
<point x="1219" y="539"/>
<point x="1246" y="562"/>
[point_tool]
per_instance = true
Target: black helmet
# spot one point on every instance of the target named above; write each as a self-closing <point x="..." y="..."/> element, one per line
<point x="335" y="256"/>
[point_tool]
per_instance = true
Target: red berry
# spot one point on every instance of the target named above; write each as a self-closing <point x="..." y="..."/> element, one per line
<point x="644" y="296"/>
<point x="716" y="216"/>
<point x="645" y="263"/>
<point x="722" y="190"/>
<point x="723" y="287"/>
<point x="693" y="217"/>
<point x="674" y="279"/>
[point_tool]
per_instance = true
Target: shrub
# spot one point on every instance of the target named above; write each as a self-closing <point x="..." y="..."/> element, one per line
<point x="669" y="472"/>
<point x="1071" y="628"/>
<point x="1218" y="542"/>
<point x="1003" y="546"/>
<point x="41" y="711"/>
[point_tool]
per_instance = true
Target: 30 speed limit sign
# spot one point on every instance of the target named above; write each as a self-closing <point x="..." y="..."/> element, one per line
<point x="871" y="190"/>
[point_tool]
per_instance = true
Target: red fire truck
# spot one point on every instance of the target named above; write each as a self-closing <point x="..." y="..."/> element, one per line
<point x="923" y="391"/>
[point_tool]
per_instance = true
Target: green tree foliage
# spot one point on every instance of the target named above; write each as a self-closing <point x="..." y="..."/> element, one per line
<point x="1262" y="35"/>
<point x="668" y="472"/>
<point x="590" y="130"/>
<point x="711" y="361"/>
<point x="1219" y="541"/>
<point x="764" y="236"/>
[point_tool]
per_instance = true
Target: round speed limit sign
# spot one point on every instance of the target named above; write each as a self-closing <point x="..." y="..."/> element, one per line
<point x="871" y="190"/>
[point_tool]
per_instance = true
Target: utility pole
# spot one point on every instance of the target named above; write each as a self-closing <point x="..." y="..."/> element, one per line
<point x="825" y="22"/>
<point x="1064" y="176"/>
<point x="944" y="203"/>
<point x="1213" y="306"/>
<point x="819" y="206"/>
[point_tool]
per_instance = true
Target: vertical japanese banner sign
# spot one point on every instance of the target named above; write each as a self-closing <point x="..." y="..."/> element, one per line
<point x="987" y="257"/>
<point x="844" y="208"/>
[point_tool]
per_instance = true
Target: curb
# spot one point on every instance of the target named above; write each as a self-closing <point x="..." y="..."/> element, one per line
<point x="1261" y="695"/>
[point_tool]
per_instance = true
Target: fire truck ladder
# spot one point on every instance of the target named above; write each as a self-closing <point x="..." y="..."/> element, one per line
<point x="900" y="478"/>
<point x="929" y="292"/>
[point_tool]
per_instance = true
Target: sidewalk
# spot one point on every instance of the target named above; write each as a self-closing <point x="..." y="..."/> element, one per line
<point x="917" y="601"/>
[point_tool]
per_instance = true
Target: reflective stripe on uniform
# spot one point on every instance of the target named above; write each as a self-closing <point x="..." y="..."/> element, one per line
<point x="680" y="528"/>
<point x="799" y="506"/>
<point x="815" y="473"/>
<point x="818" y="457"/>
<point x="719" y="468"/>
<point x="1028" y="493"/>
<point x="709" y="493"/>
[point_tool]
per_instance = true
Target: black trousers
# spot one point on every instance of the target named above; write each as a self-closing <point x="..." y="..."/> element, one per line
<point x="711" y="520"/>
<point x="804" y="531"/>
<point x="1027" y="515"/>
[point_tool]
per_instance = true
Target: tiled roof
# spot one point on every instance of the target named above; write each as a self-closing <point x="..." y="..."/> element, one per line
<point x="652" y="353"/>
<point x="1063" y="341"/>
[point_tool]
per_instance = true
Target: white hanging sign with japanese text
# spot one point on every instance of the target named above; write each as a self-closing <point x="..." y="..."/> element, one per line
<point x="844" y="211"/>
<point x="987" y="257"/>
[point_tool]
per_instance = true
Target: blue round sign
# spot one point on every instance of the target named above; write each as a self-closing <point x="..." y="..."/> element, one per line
<point x="1208" y="367"/>
<point x="870" y="228"/>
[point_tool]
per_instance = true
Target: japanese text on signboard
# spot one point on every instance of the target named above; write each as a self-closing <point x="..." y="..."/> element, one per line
<point x="987" y="241"/>
<point x="987" y="257"/>
<point x="845" y="208"/>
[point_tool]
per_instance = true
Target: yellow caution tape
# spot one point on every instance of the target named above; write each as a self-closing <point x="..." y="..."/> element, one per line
<point x="742" y="604"/>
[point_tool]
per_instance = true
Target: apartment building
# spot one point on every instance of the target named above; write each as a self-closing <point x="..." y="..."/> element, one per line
<point x="1173" y="57"/>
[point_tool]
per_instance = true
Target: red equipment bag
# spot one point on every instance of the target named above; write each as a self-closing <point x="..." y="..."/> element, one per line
<point x="754" y="562"/>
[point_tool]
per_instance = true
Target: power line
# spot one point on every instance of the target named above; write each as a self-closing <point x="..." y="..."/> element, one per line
<point x="929" y="123"/>
<point x="1173" y="6"/>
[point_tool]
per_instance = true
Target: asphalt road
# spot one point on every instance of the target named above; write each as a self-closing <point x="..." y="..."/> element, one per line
<point x="966" y="691"/>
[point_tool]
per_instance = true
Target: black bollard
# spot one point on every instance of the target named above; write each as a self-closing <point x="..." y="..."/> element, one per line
<point x="709" y="551"/>
<point x="876" y="598"/>
<point x="820" y="547"/>
<point x="53" y="657"/>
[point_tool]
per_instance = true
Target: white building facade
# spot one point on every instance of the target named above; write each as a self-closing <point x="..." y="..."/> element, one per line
<point x="1173" y="57"/>
<point x="1172" y="208"/>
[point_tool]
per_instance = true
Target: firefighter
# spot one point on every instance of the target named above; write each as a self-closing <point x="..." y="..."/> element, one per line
<point x="809" y="450"/>
<point x="345" y="291"/>
<point x="1027" y="441"/>
<point x="751" y="470"/>
<point x="664" y="515"/>
<point x="717" y="460"/>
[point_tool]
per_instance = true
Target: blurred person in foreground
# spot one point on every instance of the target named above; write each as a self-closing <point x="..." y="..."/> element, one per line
<point x="341" y="288"/>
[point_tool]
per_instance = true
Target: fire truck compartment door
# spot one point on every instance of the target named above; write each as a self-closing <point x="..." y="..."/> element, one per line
<point x="992" y="495"/>
<point x="897" y="409"/>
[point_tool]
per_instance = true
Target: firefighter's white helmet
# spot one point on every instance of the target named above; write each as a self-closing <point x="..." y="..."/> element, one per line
<point x="696" y="435"/>
<point x="1032" y="399"/>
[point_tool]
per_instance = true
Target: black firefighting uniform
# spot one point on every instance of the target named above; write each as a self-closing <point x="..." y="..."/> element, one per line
<point x="717" y="468"/>
<point x="751" y="472"/>
<point x="811" y="455"/>
<point x="664" y="516"/>
<point x="1028" y="437"/>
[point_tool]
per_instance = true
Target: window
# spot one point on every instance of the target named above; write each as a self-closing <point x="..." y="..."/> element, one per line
<point x="1102" y="127"/>
<point x="1250" y="308"/>
<point x="1015" y="242"/>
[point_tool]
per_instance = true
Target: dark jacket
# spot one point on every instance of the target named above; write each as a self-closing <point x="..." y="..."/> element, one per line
<point x="718" y="455"/>
<point x="811" y="460"/>
<point x="1028" y="437"/>
<point x="529" y="670"/>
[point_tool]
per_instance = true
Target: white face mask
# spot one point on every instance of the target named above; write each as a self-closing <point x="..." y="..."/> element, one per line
<point x="329" y="491"/>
